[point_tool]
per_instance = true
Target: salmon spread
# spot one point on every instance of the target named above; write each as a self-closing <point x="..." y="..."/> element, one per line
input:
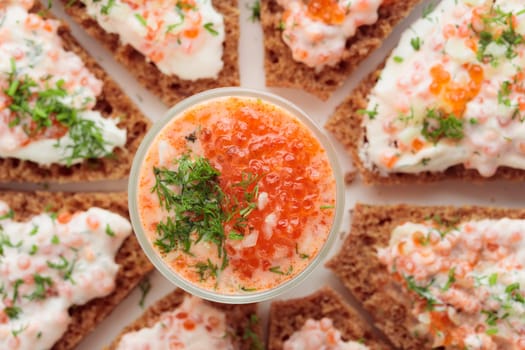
<point x="236" y="195"/>
<point x="316" y="335"/>
<point x="467" y="281"/>
<point x="452" y="93"/>
<point x="317" y="30"/>
<point x="181" y="37"/>
<point x="47" y="95"/>
<point x="50" y="263"/>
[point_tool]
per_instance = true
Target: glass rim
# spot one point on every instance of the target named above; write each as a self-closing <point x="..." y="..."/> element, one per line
<point x="152" y="253"/>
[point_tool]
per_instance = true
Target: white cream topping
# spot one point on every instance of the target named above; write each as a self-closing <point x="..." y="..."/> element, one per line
<point x="31" y="46"/>
<point x="469" y="280"/>
<point x="50" y="263"/>
<point x="316" y="335"/>
<point x="194" y="325"/>
<point x="473" y="89"/>
<point x="317" y="32"/>
<point x="181" y="37"/>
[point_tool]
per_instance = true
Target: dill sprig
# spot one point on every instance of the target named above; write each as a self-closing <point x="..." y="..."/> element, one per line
<point x="199" y="209"/>
<point x="195" y="207"/>
<point x="37" y="110"/>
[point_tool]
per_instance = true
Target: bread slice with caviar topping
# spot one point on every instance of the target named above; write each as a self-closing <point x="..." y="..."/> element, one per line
<point x="289" y="316"/>
<point x="169" y="88"/>
<point x="134" y="265"/>
<point x="241" y="320"/>
<point x="358" y="266"/>
<point x="433" y="130"/>
<point x="283" y="71"/>
<point x="112" y="103"/>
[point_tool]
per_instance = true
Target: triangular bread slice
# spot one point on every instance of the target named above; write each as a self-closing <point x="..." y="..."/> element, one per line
<point x="134" y="265"/>
<point x="241" y="319"/>
<point x="283" y="71"/>
<point x="358" y="267"/>
<point x="170" y="89"/>
<point x="289" y="316"/>
<point x="113" y="103"/>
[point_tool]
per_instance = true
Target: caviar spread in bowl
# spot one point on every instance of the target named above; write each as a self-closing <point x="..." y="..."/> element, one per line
<point x="236" y="195"/>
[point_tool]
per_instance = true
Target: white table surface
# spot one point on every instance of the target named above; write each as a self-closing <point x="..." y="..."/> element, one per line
<point x="252" y="76"/>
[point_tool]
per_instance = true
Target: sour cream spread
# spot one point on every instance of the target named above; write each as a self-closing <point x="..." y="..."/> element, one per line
<point x="467" y="281"/>
<point x="452" y="93"/>
<point x="317" y="30"/>
<point x="31" y="54"/>
<point x="315" y="335"/>
<point x="50" y="263"/>
<point x="181" y="37"/>
<point x="194" y="325"/>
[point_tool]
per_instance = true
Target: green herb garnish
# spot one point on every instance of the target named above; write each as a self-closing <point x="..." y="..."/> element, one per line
<point x="209" y="27"/>
<point x="370" y="113"/>
<point x="256" y="11"/>
<point x="437" y="125"/>
<point x="145" y="287"/>
<point x="36" y="110"/>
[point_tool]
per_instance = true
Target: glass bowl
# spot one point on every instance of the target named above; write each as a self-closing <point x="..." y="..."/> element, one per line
<point x="155" y="256"/>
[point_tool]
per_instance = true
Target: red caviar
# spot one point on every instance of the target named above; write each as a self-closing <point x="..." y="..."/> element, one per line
<point x="456" y="95"/>
<point x="328" y="11"/>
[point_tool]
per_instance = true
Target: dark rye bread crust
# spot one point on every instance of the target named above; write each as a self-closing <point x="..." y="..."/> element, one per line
<point x="134" y="265"/>
<point x="358" y="267"/>
<point x="113" y="103"/>
<point x="237" y="317"/>
<point x="283" y="71"/>
<point x="170" y="89"/>
<point x="346" y="125"/>
<point x="289" y="316"/>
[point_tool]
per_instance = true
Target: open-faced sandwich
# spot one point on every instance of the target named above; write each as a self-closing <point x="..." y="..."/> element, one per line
<point x="66" y="261"/>
<point x="322" y="320"/>
<point x="316" y="44"/>
<point x="61" y="117"/>
<point x="449" y="101"/>
<point x="436" y="277"/>
<point x="174" y="48"/>
<point x="182" y="321"/>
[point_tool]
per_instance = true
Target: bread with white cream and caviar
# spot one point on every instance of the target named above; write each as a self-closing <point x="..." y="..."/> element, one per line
<point x="62" y="119"/>
<point x="447" y="277"/>
<point x="447" y="103"/>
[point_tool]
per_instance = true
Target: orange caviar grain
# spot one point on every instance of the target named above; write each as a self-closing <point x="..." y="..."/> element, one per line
<point x="191" y="33"/>
<point x="389" y="161"/>
<point x="64" y="217"/>
<point x="156" y="56"/>
<point x="189" y="325"/>
<point x="521" y="103"/>
<point x="331" y="339"/>
<point x="92" y="222"/>
<point x="417" y="144"/>
<point x="418" y="237"/>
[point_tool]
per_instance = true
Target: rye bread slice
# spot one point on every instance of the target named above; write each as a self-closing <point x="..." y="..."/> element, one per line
<point x="283" y="71"/>
<point x="134" y="265"/>
<point x="170" y="89"/>
<point x="242" y="319"/>
<point x="358" y="266"/>
<point x="346" y="125"/>
<point x="289" y="316"/>
<point x="113" y="103"/>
